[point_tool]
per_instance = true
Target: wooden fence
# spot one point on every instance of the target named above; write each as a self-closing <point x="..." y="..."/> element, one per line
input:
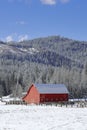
<point x="78" y="104"/>
<point x="16" y="102"/>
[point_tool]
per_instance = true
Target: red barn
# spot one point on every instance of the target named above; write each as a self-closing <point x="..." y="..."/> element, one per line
<point x="42" y="93"/>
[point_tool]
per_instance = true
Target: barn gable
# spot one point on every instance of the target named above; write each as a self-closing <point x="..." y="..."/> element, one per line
<point x="32" y="95"/>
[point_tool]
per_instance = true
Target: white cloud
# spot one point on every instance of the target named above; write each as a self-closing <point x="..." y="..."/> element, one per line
<point x="21" y="22"/>
<point x="9" y="38"/>
<point x="23" y="37"/>
<point x="15" y="37"/>
<point x="53" y="2"/>
<point x="64" y="1"/>
<point x="49" y="2"/>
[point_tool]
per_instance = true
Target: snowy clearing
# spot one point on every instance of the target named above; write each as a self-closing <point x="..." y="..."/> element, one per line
<point x="21" y="117"/>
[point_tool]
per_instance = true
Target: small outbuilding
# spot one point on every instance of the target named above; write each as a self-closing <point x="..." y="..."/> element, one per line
<point x="42" y="93"/>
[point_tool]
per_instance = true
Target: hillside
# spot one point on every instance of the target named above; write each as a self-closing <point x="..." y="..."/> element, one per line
<point x="52" y="59"/>
<point x="55" y="51"/>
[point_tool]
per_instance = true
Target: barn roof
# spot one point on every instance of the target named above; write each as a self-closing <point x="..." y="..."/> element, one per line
<point x="51" y="88"/>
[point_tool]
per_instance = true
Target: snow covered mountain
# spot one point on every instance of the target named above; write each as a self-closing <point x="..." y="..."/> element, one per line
<point x="54" y="51"/>
<point x="5" y="48"/>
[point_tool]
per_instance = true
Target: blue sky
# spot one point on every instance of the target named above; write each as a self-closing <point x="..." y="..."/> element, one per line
<point x="28" y="19"/>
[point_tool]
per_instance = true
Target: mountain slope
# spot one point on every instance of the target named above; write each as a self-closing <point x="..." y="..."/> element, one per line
<point x="55" y="50"/>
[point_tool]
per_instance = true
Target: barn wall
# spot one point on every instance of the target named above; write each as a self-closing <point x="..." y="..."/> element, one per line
<point x="32" y="96"/>
<point x="53" y="97"/>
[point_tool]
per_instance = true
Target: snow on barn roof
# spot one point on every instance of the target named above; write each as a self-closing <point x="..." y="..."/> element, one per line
<point x="51" y="88"/>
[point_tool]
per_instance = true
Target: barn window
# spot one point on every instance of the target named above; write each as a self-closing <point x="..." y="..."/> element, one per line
<point x="51" y="99"/>
<point x="61" y="99"/>
<point x="46" y="99"/>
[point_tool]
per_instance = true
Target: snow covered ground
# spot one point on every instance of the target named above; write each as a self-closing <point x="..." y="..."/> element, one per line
<point x="22" y="117"/>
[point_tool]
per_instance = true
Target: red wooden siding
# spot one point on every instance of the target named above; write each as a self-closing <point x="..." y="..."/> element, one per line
<point x="53" y="97"/>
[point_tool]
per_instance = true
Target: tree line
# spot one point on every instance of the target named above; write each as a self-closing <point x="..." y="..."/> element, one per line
<point x="17" y="76"/>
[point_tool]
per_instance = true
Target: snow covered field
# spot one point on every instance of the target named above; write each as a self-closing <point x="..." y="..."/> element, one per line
<point x="20" y="117"/>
